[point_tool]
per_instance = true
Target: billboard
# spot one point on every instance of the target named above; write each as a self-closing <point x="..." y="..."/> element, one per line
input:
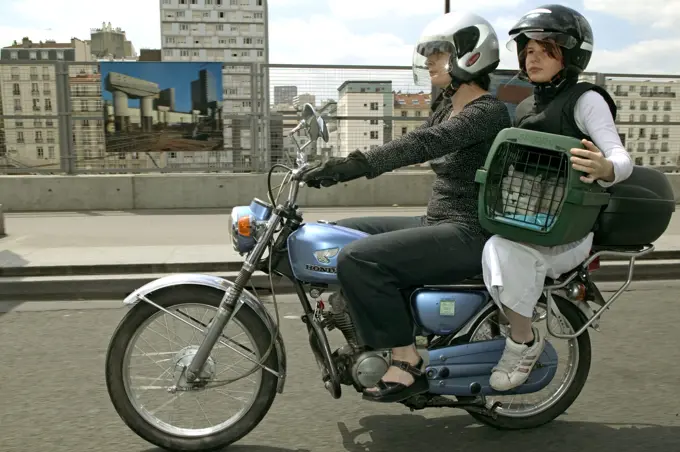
<point x="162" y="106"/>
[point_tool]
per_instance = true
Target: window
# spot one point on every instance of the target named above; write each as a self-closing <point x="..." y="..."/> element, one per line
<point x="374" y="106"/>
<point x="374" y="135"/>
<point x="39" y="152"/>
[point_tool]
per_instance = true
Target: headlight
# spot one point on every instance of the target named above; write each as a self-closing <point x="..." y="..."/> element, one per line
<point x="246" y="223"/>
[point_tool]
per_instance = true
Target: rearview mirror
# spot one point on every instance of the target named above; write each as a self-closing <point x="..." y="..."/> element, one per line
<point x="314" y="128"/>
<point x="323" y="129"/>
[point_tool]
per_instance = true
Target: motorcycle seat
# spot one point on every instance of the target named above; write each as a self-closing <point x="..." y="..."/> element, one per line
<point x="479" y="280"/>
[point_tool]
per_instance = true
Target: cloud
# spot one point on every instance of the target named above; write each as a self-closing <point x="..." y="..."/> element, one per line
<point x="331" y="42"/>
<point x="375" y="9"/>
<point x="64" y="19"/>
<point x="650" y="13"/>
<point x="647" y="57"/>
<point x="342" y="46"/>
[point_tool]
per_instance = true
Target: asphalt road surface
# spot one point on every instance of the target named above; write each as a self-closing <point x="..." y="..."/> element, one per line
<point x="53" y="396"/>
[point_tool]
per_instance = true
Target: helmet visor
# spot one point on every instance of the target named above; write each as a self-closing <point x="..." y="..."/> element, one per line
<point x="561" y="39"/>
<point x="421" y="53"/>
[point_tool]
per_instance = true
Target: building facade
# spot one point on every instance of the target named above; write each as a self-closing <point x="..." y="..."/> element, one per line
<point x="233" y="32"/>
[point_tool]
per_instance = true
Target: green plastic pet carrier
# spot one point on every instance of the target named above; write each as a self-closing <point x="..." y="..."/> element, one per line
<point x="530" y="193"/>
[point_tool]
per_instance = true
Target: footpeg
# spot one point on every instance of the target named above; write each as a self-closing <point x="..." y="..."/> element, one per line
<point x="477" y="404"/>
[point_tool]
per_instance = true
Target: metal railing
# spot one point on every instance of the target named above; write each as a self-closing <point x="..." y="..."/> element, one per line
<point x="67" y="117"/>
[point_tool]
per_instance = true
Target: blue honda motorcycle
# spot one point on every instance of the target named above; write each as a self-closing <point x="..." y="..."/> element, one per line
<point x="461" y="327"/>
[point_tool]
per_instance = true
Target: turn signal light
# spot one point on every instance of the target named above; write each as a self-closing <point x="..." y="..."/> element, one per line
<point x="244" y="226"/>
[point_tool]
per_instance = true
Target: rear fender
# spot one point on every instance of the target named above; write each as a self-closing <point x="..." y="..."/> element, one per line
<point x="220" y="284"/>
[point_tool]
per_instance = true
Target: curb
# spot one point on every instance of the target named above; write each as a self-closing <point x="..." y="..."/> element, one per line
<point x="91" y="287"/>
<point x="3" y="233"/>
<point x="118" y="286"/>
<point x="212" y="267"/>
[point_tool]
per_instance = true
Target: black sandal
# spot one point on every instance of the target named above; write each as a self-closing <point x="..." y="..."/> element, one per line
<point x="390" y="392"/>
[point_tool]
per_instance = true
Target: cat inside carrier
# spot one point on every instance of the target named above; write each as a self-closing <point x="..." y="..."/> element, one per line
<point x="530" y="193"/>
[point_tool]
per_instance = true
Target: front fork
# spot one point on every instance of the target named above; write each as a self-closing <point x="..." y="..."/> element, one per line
<point x="229" y="306"/>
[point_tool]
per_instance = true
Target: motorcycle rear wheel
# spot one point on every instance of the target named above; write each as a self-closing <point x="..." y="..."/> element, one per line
<point x="575" y="320"/>
<point x="115" y="373"/>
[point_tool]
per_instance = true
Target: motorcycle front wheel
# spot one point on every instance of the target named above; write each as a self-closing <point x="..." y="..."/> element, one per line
<point x="167" y="376"/>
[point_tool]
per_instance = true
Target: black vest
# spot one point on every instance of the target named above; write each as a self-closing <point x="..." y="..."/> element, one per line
<point x="557" y="116"/>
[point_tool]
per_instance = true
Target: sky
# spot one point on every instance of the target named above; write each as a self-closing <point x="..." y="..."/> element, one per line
<point x="172" y="75"/>
<point x="641" y="36"/>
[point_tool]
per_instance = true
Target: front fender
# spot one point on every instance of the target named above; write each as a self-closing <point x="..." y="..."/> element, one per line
<point x="221" y="284"/>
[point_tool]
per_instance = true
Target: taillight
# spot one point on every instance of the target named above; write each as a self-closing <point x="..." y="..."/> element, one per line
<point x="594" y="265"/>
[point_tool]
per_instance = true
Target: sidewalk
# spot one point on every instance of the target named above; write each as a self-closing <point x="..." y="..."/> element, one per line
<point x="107" y="255"/>
<point x="58" y="243"/>
<point x="148" y="241"/>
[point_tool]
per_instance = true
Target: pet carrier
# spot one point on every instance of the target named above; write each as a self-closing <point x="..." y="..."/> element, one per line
<point x="530" y="193"/>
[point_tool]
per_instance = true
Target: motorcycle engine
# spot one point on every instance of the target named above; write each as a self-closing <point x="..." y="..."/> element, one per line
<point x="369" y="367"/>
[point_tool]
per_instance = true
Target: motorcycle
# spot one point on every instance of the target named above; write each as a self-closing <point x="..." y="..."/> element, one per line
<point x="463" y="330"/>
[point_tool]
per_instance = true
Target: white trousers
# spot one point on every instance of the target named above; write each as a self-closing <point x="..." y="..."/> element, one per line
<point x="514" y="273"/>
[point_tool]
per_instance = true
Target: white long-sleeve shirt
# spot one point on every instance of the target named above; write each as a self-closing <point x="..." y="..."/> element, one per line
<point x="594" y="119"/>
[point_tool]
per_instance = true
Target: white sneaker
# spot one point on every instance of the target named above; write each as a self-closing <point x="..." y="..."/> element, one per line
<point x="516" y="363"/>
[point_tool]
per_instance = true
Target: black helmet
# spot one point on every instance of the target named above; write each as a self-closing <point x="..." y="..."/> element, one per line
<point x="565" y="26"/>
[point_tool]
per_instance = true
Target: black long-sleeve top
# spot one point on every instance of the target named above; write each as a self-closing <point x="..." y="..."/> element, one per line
<point x="455" y="147"/>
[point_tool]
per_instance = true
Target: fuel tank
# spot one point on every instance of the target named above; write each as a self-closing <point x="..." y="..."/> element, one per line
<point x="313" y="251"/>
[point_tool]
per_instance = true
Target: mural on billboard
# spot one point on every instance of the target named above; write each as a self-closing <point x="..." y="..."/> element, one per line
<point x="162" y="106"/>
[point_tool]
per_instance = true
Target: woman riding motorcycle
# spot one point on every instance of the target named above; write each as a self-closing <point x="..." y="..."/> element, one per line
<point x="554" y="45"/>
<point x="456" y="52"/>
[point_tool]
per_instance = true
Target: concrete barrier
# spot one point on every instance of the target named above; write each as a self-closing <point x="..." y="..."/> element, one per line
<point x="221" y="190"/>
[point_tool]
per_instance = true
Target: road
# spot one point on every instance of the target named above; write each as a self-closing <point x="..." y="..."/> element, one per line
<point x="53" y="395"/>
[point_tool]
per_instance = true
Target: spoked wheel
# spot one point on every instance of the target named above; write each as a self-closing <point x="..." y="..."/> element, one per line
<point x="533" y="410"/>
<point x="146" y="379"/>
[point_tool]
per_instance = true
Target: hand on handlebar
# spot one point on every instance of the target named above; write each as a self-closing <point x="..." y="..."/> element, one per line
<point x="337" y="170"/>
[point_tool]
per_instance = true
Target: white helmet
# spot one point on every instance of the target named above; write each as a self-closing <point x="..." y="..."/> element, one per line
<point x="469" y="38"/>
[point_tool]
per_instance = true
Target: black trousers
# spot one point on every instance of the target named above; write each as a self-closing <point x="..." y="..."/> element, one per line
<point x="402" y="252"/>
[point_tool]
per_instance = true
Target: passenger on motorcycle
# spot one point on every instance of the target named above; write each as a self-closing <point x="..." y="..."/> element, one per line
<point x="554" y="45"/>
<point x="456" y="52"/>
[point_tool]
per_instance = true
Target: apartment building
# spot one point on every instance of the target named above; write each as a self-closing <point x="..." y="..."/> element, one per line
<point x="229" y="31"/>
<point x="415" y="107"/>
<point x="110" y="42"/>
<point x="284" y="94"/>
<point x="358" y="103"/>
<point x="30" y="90"/>
<point x="649" y="120"/>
